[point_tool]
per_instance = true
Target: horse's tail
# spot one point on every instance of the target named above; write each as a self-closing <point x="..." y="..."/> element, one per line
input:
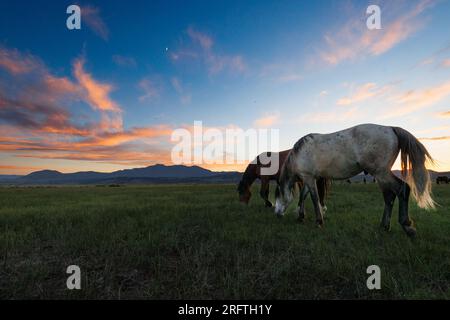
<point x="413" y="158"/>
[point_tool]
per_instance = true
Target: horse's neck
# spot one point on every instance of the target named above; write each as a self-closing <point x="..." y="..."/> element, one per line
<point x="250" y="175"/>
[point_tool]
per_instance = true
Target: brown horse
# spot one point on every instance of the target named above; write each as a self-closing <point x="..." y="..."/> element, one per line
<point x="253" y="172"/>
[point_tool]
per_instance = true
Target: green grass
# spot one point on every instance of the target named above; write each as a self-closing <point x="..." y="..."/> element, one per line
<point x="199" y="242"/>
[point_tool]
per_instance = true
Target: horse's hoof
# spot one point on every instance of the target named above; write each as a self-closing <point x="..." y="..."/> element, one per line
<point x="319" y="224"/>
<point x="386" y="228"/>
<point x="301" y="220"/>
<point x="279" y="216"/>
<point x="410" y="231"/>
<point x="269" y="205"/>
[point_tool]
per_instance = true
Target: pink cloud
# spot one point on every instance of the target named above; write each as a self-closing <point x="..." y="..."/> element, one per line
<point x="150" y="89"/>
<point x="204" y="40"/>
<point x="354" y="39"/>
<point x="16" y="63"/>
<point x="362" y="93"/>
<point x="203" y="48"/>
<point x="445" y="63"/>
<point x="91" y="16"/>
<point x="267" y="121"/>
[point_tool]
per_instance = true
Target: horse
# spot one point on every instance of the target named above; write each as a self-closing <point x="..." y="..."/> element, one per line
<point x="442" y="179"/>
<point x="253" y="172"/>
<point x="367" y="147"/>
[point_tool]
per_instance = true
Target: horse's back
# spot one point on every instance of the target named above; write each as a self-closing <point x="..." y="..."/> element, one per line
<point x="345" y="153"/>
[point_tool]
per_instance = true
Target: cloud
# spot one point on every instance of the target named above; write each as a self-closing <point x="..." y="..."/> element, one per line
<point x="202" y="48"/>
<point x="150" y="88"/>
<point x="37" y="119"/>
<point x="91" y="17"/>
<point x="185" y="98"/>
<point x="97" y="93"/>
<point x="204" y="40"/>
<point x="267" y="121"/>
<point x="35" y="109"/>
<point x="124" y="61"/>
<point x="445" y="63"/>
<point x="435" y="138"/>
<point x="445" y="114"/>
<point x="362" y="93"/>
<point x="33" y="97"/>
<point x="354" y="39"/>
<point x="11" y="169"/>
<point x="16" y="63"/>
<point x="414" y="100"/>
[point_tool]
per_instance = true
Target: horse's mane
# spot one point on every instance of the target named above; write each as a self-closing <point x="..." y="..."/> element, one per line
<point x="299" y="144"/>
<point x="248" y="177"/>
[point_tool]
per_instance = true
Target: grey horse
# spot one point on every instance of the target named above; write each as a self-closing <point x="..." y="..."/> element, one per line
<point x="368" y="147"/>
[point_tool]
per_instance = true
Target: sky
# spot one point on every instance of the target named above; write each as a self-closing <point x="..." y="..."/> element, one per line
<point x="110" y="95"/>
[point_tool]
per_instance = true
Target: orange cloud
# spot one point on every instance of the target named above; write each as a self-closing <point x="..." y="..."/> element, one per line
<point x="414" y="100"/>
<point x="97" y="93"/>
<point x="436" y="138"/>
<point x="362" y="93"/>
<point x="267" y="121"/>
<point x="17" y="170"/>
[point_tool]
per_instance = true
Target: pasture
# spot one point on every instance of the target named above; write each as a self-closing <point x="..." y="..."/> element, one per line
<point x="199" y="242"/>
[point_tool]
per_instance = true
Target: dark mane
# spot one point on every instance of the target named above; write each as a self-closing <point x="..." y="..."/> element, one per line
<point x="248" y="177"/>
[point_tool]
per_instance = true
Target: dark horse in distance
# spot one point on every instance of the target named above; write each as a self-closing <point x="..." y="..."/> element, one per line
<point x="442" y="179"/>
<point x="253" y="172"/>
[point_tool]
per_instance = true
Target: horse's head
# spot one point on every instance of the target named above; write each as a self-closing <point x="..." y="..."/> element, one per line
<point x="284" y="192"/>
<point x="244" y="192"/>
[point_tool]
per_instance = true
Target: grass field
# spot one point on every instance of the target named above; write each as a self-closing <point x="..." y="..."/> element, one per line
<point x="199" y="242"/>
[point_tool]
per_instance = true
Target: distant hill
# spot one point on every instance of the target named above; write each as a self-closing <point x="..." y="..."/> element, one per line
<point x="153" y="174"/>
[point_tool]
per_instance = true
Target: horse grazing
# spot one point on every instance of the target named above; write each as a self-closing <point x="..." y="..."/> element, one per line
<point x="442" y="179"/>
<point x="253" y="172"/>
<point x="367" y="147"/>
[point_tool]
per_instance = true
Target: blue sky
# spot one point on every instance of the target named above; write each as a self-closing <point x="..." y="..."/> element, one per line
<point x="107" y="96"/>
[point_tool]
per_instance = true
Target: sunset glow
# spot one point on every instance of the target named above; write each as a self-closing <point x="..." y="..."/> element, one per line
<point x="108" y="97"/>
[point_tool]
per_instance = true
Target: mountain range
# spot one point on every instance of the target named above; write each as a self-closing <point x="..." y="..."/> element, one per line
<point x="152" y="174"/>
<point x="158" y="173"/>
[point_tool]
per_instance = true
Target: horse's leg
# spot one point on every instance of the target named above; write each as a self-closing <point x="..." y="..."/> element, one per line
<point x="301" y="202"/>
<point x="321" y="187"/>
<point x="264" y="192"/>
<point x="310" y="182"/>
<point x="391" y="187"/>
<point x="403" y="215"/>
<point x="389" y="198"/>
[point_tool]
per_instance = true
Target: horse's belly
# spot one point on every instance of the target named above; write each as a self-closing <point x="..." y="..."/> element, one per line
<point x="339" y="170"/>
